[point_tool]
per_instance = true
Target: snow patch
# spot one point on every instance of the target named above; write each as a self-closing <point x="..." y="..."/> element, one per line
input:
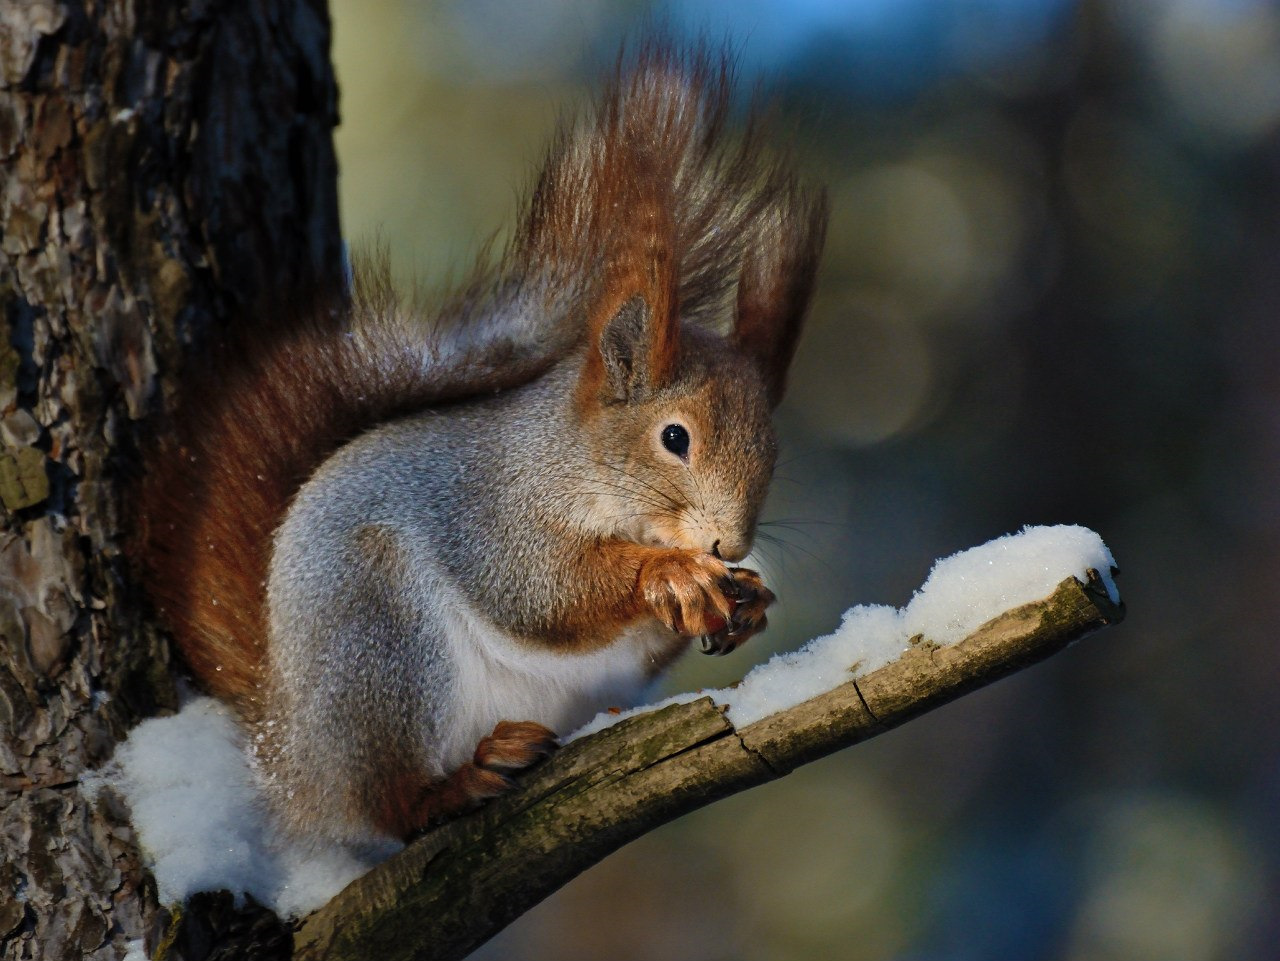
<point x="966" y="590"/>
<point x="203" y="825"/>
<point x="962" y="593"/>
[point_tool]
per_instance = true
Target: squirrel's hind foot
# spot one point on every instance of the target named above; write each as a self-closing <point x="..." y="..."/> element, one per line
<point x="513" y="746"/>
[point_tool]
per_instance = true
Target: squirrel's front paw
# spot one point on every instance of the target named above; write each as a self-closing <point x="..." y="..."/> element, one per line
<point x="696" y="594"/>
<point x="750" y="597"/>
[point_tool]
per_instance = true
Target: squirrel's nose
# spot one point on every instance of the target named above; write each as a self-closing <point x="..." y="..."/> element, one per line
<point x="730" y="549"/>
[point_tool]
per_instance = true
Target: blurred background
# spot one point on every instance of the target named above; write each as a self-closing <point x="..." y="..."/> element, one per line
<point x="1050" y="295"/>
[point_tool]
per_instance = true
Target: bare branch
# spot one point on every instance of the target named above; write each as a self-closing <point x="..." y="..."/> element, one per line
<point x="457" y="886"/>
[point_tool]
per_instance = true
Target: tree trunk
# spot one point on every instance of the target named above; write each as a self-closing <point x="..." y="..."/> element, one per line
<point x="161" y="162"/>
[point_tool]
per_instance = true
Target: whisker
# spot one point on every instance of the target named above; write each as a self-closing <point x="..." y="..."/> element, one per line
<point x="781" y="542"/>
<point x="793" y="522"/>
<point x="672" y="503"/>
<point x="805" y="454"/>
<point x="612" y="487"/>
<point x="665" y="476"/>
<point x="772" y="551"/>
<point x="777" y="530"/>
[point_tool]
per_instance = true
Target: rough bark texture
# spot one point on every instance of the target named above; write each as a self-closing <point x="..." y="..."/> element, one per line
<point x="159" y="162"/>
<point x="451" y="890"/>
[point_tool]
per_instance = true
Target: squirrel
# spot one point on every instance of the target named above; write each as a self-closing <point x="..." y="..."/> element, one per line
<point x="408" y="545"/>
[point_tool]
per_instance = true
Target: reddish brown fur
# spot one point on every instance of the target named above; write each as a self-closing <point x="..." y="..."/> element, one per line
<point x="620" y="582"/>
<point x="774" y="290"/>
<point x="408" y="802"/>
<point x="657" y="200"/>
<point x="213" y="497"/>
<point x="254" y="424"/>
<point x="514" y="745"/>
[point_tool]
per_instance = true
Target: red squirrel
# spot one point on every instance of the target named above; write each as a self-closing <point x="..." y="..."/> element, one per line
<point x="407" y="546"/>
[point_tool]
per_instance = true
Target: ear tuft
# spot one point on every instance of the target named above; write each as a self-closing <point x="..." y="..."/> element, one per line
<point x="776" y="282"/>
<point x="625" y="348"/>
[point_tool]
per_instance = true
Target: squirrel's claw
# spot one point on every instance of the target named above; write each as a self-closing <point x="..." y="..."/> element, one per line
<point x="749" y="597"/>
<point x="731" y="637"/>
<point x="697" y="596"/>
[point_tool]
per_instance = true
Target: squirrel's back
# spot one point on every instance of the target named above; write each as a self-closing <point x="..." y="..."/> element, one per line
<point x="255" y="420"/>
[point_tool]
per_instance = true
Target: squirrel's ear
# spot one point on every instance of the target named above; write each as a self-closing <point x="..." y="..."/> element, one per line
<point x="635" y="354"/>
<point x="776" y="282"/>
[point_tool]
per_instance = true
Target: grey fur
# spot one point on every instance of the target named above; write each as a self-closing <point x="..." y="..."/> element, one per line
<point x="423" y="578"/>
<point x="477" y="510"/>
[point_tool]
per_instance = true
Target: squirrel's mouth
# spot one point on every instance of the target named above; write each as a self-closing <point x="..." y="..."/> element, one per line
<point x="696" y="534"/>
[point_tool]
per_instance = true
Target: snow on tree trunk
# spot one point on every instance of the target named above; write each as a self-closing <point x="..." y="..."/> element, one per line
<point x="159" y="164"/>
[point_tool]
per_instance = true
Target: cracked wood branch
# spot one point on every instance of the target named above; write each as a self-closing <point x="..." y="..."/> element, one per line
<point x="457" y="886"/>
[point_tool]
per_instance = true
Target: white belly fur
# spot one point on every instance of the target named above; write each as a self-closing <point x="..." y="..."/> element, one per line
<point x="501" y="679"/>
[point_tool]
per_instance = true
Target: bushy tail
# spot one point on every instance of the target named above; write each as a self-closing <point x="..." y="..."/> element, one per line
<point x="253" y="424"/>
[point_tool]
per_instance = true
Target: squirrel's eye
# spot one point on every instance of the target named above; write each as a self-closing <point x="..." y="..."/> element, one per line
<point x="676" y="439"/>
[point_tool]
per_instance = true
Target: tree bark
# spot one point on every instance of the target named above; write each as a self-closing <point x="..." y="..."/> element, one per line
<point x="160" y="163"/>
<point x="456" y="887"/>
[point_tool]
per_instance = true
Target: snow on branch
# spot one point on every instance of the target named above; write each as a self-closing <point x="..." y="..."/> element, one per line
<point x="982" y="615"/>
<point x="196" y="807"/>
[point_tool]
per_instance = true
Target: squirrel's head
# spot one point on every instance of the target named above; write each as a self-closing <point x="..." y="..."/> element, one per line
<point x="690" y="254"/>
<point x="681" y="453"/>
<point x="678" y="417"/>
